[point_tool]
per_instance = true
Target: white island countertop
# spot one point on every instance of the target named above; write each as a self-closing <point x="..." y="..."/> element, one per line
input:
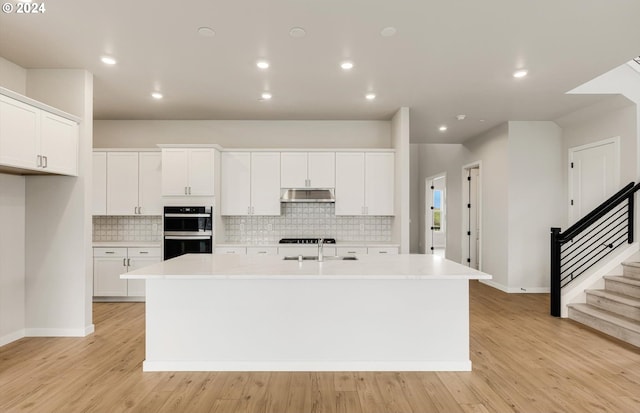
<point x="367" y="267"/>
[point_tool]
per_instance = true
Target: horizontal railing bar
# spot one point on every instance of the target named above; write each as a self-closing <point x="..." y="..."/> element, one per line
<point x="613" y="215"/>
<point x="601" y="242"/>
<point x="606" y="252"/>
<point x="595" y="239"/>
<point x="599" y="259"/>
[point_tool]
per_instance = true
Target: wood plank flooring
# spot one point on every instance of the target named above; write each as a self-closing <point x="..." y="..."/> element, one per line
<point x="523" y="361"/>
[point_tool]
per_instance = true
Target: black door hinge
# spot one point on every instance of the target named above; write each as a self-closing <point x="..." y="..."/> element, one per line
<point x="572" y="164"/>
<point x="469" y="233"/>
<point x="432" y="248"/>
<point x="468" y="205"/>
<point x="433" y="187"/>
<point x="469" y="260"/>
<point x="431" y="207"/>
<point x="468" y="178"/>
<point x="572" y="202"/>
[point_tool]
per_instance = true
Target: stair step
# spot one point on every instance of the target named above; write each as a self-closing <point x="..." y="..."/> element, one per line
<point x="623" y="285"/>
<point x="631" y="269"/>
<point x="609" y="323"/>
<point x="624" y="305"/>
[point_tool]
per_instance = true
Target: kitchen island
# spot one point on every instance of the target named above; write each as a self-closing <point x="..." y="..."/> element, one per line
<point x="263" y="313"/>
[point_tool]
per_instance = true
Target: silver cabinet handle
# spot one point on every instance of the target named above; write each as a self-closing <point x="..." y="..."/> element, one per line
<point x="231" y="252"/>
<point x="253" y="210"/>
<point x="185" y="190"/>
<point x="128" y="262"/>
<point x="139" y="210"/>
<point x="351" y="252"/>
<point x="262" y="252"/>
<point x="189" y="190"/>
<point x="46" y="161"/>
<point x="248" y="210"/>
<point x="144" y="252"/>
<point x="382" y="252"/>
<point x="109" y="252"/>
<point x="39" y="162"/>
<point x="124" y="262"/>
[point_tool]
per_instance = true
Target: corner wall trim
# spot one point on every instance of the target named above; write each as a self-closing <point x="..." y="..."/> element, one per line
<point x="11" y="337"/>
<point x="59" y="332"/>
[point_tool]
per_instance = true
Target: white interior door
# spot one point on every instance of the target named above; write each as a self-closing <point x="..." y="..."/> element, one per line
<point x="435" y="230"/>
<point x="594" y="172"/>
<point x="474" y="218"/>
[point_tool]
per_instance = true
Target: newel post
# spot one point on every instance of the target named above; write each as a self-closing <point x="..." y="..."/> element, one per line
<point x="555" y="273"/>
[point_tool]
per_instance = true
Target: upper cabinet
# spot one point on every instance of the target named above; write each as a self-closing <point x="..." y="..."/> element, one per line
<point x="188" y="171"/>
<point x="34" y="139"/>
<point x="307" y="170"/>
<point x="126" y="183"/>
<point x="365" y="183"/>
<point x="250" y="183"/>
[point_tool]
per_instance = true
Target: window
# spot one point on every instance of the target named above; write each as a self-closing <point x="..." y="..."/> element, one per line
<point x="437" y="210"/>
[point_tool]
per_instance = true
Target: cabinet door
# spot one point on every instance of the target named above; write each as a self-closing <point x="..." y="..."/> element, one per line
<point x="99" y="188"/>
<point x="106" y="277"/>
<point x="19" y="133"/>
<point x="293" y="169"/>
<point x="322" y="169"/>
<point x="265" y="183"/>
<point x="59" y="144"/>
<point x="122" y="183"/>
<point x="235" y="183"/>
<point x="174" y="171"/>
<point x="149" y="183"/>
<point x="231" y="250"/>
<point x="200" y="168"/>
<point x="350" y="183"/>
<point x="136" y="288"/>
<point x="379" y="183"/>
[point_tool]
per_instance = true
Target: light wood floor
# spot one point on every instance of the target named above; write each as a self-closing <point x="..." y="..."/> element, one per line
<point x="523" y="361"/>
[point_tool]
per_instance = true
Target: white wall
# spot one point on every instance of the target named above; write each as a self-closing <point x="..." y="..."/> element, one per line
<point x="535" y="202"/>
<point x="615" y="116"/>
<point x="12" y="258"/>
<point x="58" y="219"/>
<point x="12" y="76"/>
<point x="243" y="133"/>
<point x="491" y="148"/>
<point x="12" y="235"/>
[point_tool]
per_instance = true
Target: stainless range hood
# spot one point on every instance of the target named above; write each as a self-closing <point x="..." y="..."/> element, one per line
<point x="307" y="195"/>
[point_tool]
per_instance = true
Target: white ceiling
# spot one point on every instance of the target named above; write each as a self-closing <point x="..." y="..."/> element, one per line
<point x="447" y="58"/>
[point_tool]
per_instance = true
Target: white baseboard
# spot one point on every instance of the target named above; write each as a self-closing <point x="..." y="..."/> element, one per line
<point x="515" y="290"/>
<point x="11" y="337"/>
<point x="60" y="332"/>
<point x="306" y="365"/>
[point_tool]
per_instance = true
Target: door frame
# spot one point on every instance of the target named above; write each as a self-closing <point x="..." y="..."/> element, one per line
<point x="571" y="151"/>
<point x="427" y="226"/>
<point x="464" y="245"/>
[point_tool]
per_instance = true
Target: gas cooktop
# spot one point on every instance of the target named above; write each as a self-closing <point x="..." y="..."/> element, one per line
<point x="306" y="240"/>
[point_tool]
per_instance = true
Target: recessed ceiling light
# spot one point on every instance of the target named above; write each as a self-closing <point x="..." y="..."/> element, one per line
<point x="262" y="64"/>
<point x="442" y="128"/>
<point x="206" y="31"/>
<point x="370" y="96"/>
<point x="297" y="32"/>
<point x="388" y="31"/>
<point x="266" y="96"/>
<point x="520" y="73"/>
<point x="461" y="117"/>
<point x="157" y="95"/>
<point x="108" y="60"/>
<point x="346" y="65"/>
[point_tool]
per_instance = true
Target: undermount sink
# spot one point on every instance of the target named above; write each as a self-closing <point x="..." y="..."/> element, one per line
<point x="315" y="258"/>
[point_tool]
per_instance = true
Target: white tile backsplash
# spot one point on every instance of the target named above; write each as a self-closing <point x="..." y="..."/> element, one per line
<point x="127" y="228"/>
<point x="300" y="220"/>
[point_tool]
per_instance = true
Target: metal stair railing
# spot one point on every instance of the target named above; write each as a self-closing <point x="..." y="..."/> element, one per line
<point x="590" y="240"/>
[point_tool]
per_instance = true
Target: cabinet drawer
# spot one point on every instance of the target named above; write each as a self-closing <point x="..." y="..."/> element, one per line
<point x="231" y="250"/>
<point x="383" y="250"/>
<point x="144" y="252"/>
<point x="110" y="252"/>
<point x="262" y="250"/>
<point x="342" y="251"/>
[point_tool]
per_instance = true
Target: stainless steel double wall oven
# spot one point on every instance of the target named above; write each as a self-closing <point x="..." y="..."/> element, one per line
<point x="187" y="230"/>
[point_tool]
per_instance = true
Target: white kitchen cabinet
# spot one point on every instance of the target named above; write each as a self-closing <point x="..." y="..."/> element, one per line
<point x="307" y="170"/>
<point x="188" y="171"/>
<point x="364" y="183"/>
<point x="382" y="250"/>
<point x="58" y="144"/>
<point x="262" y="250"/>
<point x="231" y="250"/>
<point x="133" y="183"/>
<point x="351" y="251"/>
<point x="250" y="183"/>
<point x="99" y="187"/>
<point x="32" y="138"/>
<point x="110" y="263"/>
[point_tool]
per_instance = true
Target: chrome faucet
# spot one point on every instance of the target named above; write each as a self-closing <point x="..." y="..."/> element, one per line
<point x="320" y="249"/>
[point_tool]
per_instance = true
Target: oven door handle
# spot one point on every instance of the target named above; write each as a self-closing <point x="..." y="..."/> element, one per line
<point x="190" y="237"/>
<point x="187" y="215"/>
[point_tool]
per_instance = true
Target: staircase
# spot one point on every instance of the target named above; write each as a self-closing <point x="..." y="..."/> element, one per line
<point x="616" y="309"/>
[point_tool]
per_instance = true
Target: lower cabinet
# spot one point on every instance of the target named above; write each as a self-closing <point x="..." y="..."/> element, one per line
<point x="382" y="250"/>
<point x="109" y="263"/>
